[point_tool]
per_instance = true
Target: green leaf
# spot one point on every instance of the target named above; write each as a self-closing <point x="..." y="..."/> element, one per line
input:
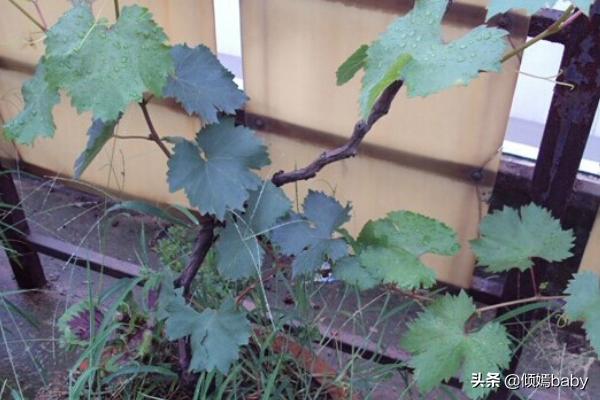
<point x="531" y="6"/>
<point x="215" y="169"/>
<point x="202" y="85"/>
<point x="102" y="68"/>
<point x="390" y="77"/>
<point x="441" y="348"/>
<point x="390" y="248"/>
<point x="309" y="238"/>
<point x="349" y="270"/>
<point x="412" y="49"/>
<point x="239" y="253"/>
<point x="398" y="267"/>
<point x="511" y="239"/>
<point x="215" y="335"/>
<point x="583" y="304"/>
<point x="352" y="65"/>
<point x="98" y="135"/>
<point x="36" y="118"/>
<point x="412" y="232"/>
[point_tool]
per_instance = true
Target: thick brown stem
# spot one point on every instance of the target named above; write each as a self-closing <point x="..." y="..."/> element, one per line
<point x="202" y="245"/>
<point x="362" y="127"/>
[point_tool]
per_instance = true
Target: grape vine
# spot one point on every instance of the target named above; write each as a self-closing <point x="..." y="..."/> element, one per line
<point x="104" y="68"/>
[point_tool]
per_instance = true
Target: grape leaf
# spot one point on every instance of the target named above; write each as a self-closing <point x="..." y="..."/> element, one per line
<point x="398" y="267"/>
<point x="390" y="248"/>
<point x="509" y="240"/>
<point x="352" y="65"/>
<point x="215" y="335"/>
<point x="202" y="85"/>
<point x="99" y="133"/>
<point x="441" y="348"/>
<point x="349" y="270"/>
<point x="583" y="304"/>
<point x="412" y="232"/>
<point x="36" y="118"/>
<point x="215" y="169"/>
<point x="239" y="254"/>
<point x="104" y="68"/>
<point x="308" y="237"/>
<point x="531" y="6"/>
<point x="412" y="49"/>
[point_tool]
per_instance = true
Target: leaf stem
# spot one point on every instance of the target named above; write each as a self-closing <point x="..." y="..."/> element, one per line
<point x="154" y="136"/>
<point x="566" y="18"/>
<point x="133" y="137"/>
<point x="117" y="8"/>
<point x="534" y="284"/>
<point x="28" y="15"/>
<point x="517" y="302"/>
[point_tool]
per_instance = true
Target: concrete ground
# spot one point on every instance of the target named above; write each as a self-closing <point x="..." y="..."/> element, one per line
<point x="32" y="356"/>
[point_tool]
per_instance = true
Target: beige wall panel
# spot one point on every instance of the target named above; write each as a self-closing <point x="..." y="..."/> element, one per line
<point x="376" y="187"/>
<point x="591" y="256"/>
<point x="292" y="49"/>
<point x="190" y="21"/>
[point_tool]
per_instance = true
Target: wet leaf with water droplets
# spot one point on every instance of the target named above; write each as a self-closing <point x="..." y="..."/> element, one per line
<point x="36" y="118"/>
<point x="389" y="249"/>
<point x="105" y="86"/>
<point x="412" y="50"/>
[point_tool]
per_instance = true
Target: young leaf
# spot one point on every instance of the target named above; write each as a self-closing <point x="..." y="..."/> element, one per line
<point x="308" y="237"/>
<point x="215" y="335"/>
<point x="202" y="85"/>
<point x="349" y="270"/>
<point x="36" y="118"/>
<point x="104" y="69"/>
<point x="352" y="65"/>
<point x="389" y="248"/>
<point x="511" y="239"/>
<point x="412" y="232"/>
<point x="99" y="133"/>
<point x="583" y="304"/>
<point x="412" y="49"/>
<point x="239" y="254"/>
<point x="215" y="169"/>
<point x="531" y="6"/>
<point x="441" y="348"/>
<point x="398" y="267"/>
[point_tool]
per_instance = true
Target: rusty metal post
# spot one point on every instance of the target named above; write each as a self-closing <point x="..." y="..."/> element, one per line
<point x="23" y="258"/>
<point x="567" y="130"/>
<point x="566" y="133"/>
